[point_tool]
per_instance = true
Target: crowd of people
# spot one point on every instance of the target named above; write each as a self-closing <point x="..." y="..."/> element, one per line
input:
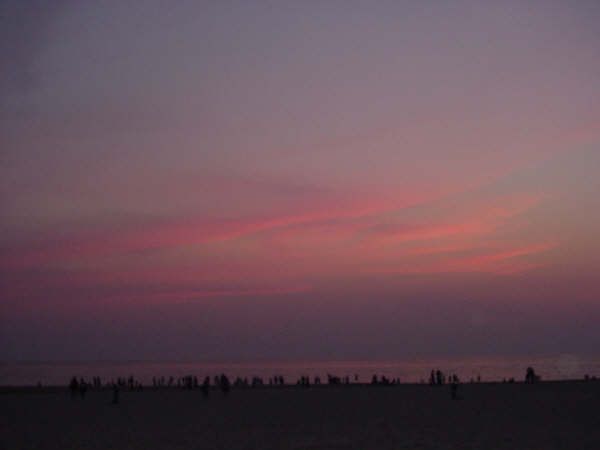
<point x="221" y="382"/>
<point x="79" y="387"/>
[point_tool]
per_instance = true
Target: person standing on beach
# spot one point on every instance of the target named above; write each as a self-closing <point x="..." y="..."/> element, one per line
<point x="454" y="388"/>
<point x="205" y="387"/>
<point x="73" y="386"/>
<point x="82" y="388"/>
<point x="224" y="384"/>
<point x="115" y="399"/>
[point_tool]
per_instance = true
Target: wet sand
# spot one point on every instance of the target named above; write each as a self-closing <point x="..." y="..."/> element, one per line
<point x="549" y="415"/>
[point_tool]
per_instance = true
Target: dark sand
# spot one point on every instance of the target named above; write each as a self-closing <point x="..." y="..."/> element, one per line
<point x="550" y="415"/>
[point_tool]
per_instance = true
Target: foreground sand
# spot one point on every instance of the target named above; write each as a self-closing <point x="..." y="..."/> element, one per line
<point x="560" y="415"/>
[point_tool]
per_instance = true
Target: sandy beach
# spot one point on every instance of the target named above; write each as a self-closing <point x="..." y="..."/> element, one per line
<point x="549" y="415"/>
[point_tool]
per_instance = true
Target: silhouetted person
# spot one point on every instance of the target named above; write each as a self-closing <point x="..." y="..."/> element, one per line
<point x="454" y="388"/>
<point x="432" y="378"/>
<point x="439" y="377"/>
<point x="530" y="376"/>
<point x="73" y="386"/>
<point x="331" y="379"/>
<point x="224" y="384"/>
<point x="82" y="388"/>
<point x="205" y="387"/>
<point x="115" y="399"/>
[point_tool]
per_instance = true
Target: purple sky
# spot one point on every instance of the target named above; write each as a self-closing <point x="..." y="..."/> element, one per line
<point x="240" y="180"/>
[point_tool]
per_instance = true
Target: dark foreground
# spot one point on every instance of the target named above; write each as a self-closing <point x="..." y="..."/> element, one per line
<point x="551" y="415"/>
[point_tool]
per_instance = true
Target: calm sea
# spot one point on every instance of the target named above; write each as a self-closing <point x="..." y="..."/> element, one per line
<point x="558" y="367"/>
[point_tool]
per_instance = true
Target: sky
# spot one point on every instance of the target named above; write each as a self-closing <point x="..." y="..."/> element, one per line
<point x="298" y="180"/>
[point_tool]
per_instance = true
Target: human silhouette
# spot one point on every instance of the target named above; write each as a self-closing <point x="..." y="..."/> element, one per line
<point x="530" y="376"/>
<point x="454" y="387"/>
<point x="205" y="387"/>
<point x="73" y="386"/>
<point x="331" y="379"/>
<point x="224" y="384"/>
<point x="439" y="377"/>
<point x="115" y="399"/>
<point x="82" y="388"/>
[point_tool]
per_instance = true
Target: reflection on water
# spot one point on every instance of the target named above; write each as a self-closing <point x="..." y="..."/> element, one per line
<point x="558" y="367"/>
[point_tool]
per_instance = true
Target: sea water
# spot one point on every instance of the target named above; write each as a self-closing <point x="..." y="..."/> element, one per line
<point x="497" y="368"/>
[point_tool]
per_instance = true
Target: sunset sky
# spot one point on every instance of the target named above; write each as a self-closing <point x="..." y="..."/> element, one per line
<point x="298" y="180"/>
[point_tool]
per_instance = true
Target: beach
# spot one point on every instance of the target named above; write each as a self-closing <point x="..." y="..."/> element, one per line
<point x="547" y="415"/>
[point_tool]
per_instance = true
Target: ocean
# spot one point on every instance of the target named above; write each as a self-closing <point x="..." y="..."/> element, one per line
<point x="554" y="367"/>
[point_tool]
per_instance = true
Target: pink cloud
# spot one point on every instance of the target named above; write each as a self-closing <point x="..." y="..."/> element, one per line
<point x="335" y="241"/>
<point x="499" y="262"/>
<point x="196" y="231"/>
